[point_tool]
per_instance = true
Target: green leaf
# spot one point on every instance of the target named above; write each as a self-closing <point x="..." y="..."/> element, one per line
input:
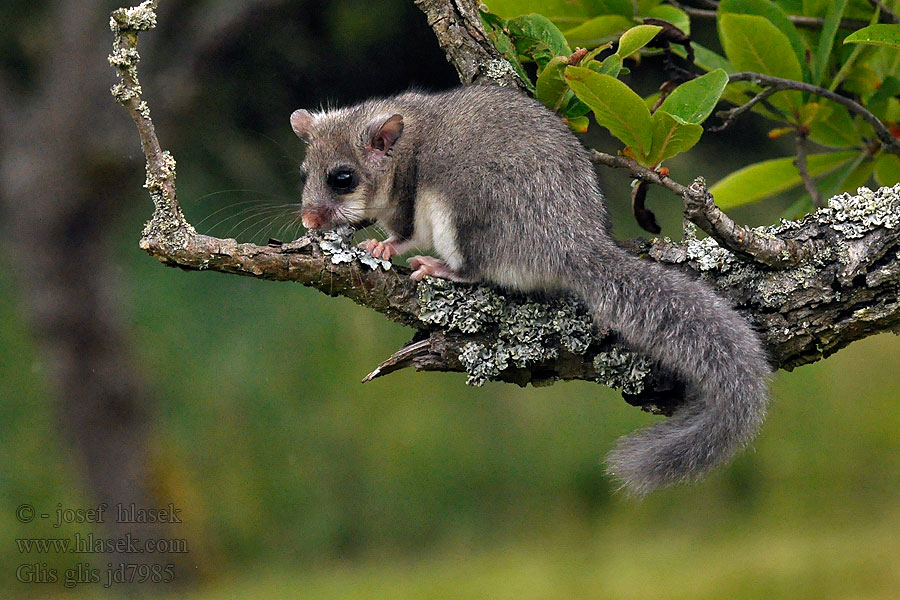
<point x="837" y="131"/>
<point x="671" y="136"/>
<point x="551" y="88"/>
<point x="840" y="179"/>
<point x="752" y="43"/>
<point x="815" y="8"/>
<point x="775" y="15"/>
<point x="705" y="58"/>
<point x="694" y="100"/>
<point x="858" y="177"/>
<point x="675" y="16"/>
<point x="887" y="169"/>
<point x="611" y="7"/>
<point x="884" y="60"/>
<point x="536" y="37"/>
<point x="878" y="101"/>
<point x="578" y="124"/>
<point x="505" y="46"/>
<point x="836" y="10"/>
<point x="880" y="35"/>
<point x="562" y="12"/>
<point x="597" y="31"/>
<point x="616" y="107"/>
<point x="636" y="38"/>
<point x="611" y="66"/>
<point x="574" y="107"/>
<point x="770" y="177"/>
<point x="644" y="6"/>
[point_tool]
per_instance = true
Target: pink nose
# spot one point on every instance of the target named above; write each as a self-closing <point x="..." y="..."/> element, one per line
<point x="313" y="219"/>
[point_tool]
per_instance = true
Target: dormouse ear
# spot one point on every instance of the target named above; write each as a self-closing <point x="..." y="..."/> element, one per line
<point x="383" y="134"/>
<point x="302" y="122"/>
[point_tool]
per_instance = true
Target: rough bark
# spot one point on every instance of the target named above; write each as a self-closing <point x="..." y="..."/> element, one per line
<point x="842" y="287"/>
<point x="462" y="37"/>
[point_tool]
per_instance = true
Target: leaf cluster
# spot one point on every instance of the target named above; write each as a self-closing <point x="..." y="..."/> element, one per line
<point x="573" y="53"/>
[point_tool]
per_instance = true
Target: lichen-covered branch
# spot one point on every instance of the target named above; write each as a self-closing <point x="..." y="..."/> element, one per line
<point x="842" y="285"/>
<point x="457" y="25"/>
<point x="700" y="209"/>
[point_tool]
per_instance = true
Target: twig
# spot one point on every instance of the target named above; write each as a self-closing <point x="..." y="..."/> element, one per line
<point x="728" y="116"/>
<point x="637" y="171"/>
<point x="400" y="359"/>
<point x="891" y="144"/>
<point x="800" y="163"/>
<point x="701" y="210"/>
<point x="798" y="20"/>
<point x="126" y="23"/>
<point x="745" y="242"/>
<point x="886" y="12"/>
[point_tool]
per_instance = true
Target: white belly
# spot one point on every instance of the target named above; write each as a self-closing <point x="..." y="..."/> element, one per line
<point x="435" y="227"/>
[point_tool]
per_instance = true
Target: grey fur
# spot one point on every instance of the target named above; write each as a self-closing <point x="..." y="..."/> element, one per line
<point x="528" y="213"/>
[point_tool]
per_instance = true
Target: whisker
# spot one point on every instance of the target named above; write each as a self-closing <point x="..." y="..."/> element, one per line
<point x="241" y="191"/>
<point x="237" y="214"/>
<point x="253" y="210"/>
<point x="254" y="218"/>
<point x="266" y="225"/>
<point x="265" y="220"/>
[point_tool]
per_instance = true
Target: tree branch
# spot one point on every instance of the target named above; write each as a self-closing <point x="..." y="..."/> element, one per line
<point x="886" y="12"/>
<point x="800" y="163"/>
<point x="457" y="25"/>
<point x="700" y="209"/>
<point x="799" y="20"/>
<point x="846" y="290"/>
<point x="891" y="144"/>
<point x="729" y="116"/>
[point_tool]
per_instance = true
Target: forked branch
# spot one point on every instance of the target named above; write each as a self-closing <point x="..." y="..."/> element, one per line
<point x="841" y="281"/>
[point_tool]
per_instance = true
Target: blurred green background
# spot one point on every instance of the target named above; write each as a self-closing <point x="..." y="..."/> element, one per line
<point x="297" y="481"/>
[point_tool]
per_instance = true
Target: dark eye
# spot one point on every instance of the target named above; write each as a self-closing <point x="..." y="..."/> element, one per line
<point x="343" y="180"/>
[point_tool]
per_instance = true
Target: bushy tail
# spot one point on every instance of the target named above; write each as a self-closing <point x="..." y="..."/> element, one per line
<point x="686" y="328"/>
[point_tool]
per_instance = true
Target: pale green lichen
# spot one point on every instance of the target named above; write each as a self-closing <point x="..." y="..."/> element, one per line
<point x="124" y="58"/>
<point x="855" y="216"/>
<point x="137" y="18"/>
<point x="122" y="93"/>
<point x="480" y="363"/>
<point x="776" y="288"/>
<point x="499" y="70"/>
<point x="167" y="224"/>
<point x="526" y="332"/>
<point x="468" y="309"/>
<point x="338" y="243"/>
<point x="708" y="255"/>
<point x="619" y="368"/>
<point x="144" y="109"/>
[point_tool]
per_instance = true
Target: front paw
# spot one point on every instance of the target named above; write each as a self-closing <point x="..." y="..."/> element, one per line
<point x="383" y="250"/>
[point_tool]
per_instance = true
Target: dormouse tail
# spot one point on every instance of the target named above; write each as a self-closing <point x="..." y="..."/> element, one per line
<point x="688" y="330"/>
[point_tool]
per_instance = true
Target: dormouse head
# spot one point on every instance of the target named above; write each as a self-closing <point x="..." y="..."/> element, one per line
<point x="348" y="162"/>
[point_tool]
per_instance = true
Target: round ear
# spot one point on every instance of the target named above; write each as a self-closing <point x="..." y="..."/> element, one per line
<point x="302" y="122"/>
<point x="384" y="133"/>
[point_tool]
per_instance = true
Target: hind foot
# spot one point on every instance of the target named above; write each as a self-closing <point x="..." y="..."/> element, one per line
<point x="428" y="265"/>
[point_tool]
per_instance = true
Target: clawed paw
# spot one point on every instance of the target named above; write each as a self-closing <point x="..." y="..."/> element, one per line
<point x="383" y="250"/>
<point x="428" y="265"/>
